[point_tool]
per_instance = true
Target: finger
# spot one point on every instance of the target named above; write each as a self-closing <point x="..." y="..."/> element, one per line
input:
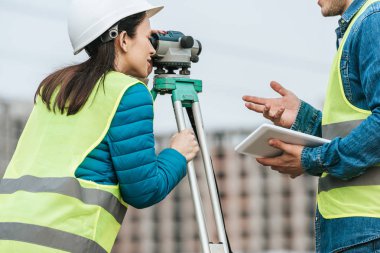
<point x="269" y="161"/>
<point x="266" y="112"/>
<point x="277" y="168"/>
<point x="282" y="170"/>
<point x="260" y="160"/>
<point x="280" y="145"/>
<point x="254" y="107"/>
<point x="279" y="113"/>
<point x="256" y="100"/>
<point x="294" y="176"/>
<point x="278" y="88"/>
<point x="159" y="31"/>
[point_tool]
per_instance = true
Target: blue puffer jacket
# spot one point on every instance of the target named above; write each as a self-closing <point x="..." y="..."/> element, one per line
<point x="127" y="154"/>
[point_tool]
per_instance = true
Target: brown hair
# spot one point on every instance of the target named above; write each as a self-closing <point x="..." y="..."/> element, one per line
<point x="75" y="83"/>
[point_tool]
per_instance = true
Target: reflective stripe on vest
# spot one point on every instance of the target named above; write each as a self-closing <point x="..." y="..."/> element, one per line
<point x="69" y="187"/>
<point x="358" y="196"/>
<point x="341" y="129"/>
<point x="328" y="182"/>
<point x="48" y="237"/>
<point x="370" y="177"/>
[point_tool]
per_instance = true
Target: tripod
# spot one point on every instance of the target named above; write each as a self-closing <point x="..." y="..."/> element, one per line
<point x="184" y="95"/>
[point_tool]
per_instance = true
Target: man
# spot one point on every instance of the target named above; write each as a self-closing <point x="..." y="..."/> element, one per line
<point x="348" y="212"/>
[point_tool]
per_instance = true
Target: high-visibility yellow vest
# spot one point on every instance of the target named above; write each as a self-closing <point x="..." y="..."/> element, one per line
<point x="359" y="196"/>
<point x="43" y="207"/>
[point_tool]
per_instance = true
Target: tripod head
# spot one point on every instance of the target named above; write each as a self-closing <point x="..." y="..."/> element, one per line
<point x="174" y="51"/>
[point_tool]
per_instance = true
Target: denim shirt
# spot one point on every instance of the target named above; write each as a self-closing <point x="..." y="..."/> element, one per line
<point x="349" y="157"/>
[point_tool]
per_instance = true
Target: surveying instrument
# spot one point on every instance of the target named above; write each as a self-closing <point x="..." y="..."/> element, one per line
<point x="174" y="53"/>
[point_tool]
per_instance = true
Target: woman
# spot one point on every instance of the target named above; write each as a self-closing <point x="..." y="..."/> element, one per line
<point x="88" y="147"/>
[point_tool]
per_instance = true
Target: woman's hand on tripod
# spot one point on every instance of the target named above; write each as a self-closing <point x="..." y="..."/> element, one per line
<point x="281" y="111"/>
<point x="185" y="143"/>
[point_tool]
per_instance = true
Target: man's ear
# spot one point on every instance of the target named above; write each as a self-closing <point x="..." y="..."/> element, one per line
<point x="123" y="41"/>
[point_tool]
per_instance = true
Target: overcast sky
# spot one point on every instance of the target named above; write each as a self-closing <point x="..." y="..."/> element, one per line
<point x="246" y="44"/>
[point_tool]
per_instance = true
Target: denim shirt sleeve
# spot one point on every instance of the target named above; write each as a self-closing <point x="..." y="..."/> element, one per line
<point x="144" y="177"/>
<point x="350" y="156"/>
<point x="309" y="121"/>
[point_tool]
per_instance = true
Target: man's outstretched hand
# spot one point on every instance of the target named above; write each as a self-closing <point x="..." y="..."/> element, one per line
<point x="281" y="111"/>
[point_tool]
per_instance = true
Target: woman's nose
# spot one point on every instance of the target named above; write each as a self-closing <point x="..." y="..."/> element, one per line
<point x="152" y="50"/>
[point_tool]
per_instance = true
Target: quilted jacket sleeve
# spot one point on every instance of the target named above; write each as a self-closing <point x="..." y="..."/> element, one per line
<point x="144" y="177"/>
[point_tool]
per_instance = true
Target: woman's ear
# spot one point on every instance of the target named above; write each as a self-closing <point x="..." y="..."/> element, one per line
<point x="123" y="41"/>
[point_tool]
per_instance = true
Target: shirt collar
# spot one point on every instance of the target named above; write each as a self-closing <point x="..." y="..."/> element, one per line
<point x="346" y="18"/>
<point x="351" y="11"/>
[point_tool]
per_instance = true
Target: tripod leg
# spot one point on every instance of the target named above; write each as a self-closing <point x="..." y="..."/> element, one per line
<point x="199" y="214"/>
<point x="210" y="176"/>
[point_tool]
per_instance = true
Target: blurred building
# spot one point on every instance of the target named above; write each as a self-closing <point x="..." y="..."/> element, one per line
<point x="264" y="211"/>
<point x="13" y="117"/>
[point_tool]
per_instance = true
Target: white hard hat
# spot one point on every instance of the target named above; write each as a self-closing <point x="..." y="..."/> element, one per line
<point x="88" y="19"/>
